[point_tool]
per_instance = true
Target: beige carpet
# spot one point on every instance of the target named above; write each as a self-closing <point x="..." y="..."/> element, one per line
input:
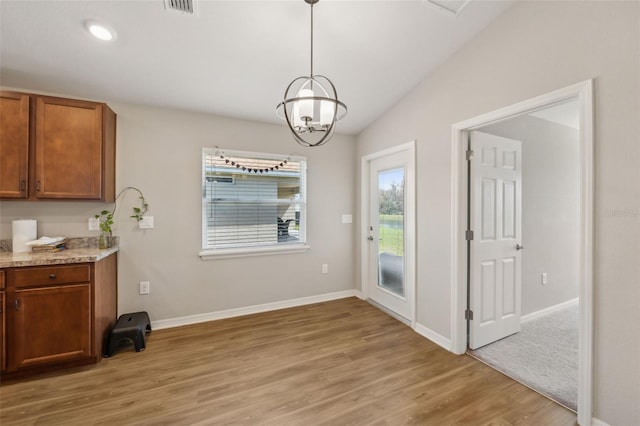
<point x="543" y="355"/>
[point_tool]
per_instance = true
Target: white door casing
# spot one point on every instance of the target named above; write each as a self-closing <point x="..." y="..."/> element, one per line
<point x="584" y="92"/>
<point x="496" y="247"/>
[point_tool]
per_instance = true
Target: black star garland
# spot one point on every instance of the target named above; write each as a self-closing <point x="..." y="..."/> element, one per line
<point x="237" y="165"/>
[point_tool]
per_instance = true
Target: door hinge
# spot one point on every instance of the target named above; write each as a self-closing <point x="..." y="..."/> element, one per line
<point x="468" y="315"/>
<point x="469" y="154"/>
<point x="468" y="235"/>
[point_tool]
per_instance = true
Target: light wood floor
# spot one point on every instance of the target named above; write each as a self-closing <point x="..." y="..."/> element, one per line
<point x="335" y="363"/>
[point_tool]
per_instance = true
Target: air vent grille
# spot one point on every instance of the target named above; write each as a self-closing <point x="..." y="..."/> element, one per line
<point x="183" y="6"/>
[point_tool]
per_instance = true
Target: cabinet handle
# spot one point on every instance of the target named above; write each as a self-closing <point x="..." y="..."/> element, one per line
<point x="23" y="185"/>
<point x="17" y="304"/>
<point x="52" y="276"/>
<point x="38" y="185"/>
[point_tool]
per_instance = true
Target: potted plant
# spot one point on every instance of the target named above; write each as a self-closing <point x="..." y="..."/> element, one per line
<point x="106" y="217"/>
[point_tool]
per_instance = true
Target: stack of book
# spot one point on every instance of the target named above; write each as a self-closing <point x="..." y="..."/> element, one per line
<point x="48" y="244"/>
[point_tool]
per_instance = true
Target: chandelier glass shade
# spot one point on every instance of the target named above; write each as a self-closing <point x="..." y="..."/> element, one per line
<point x="311" y="106"/>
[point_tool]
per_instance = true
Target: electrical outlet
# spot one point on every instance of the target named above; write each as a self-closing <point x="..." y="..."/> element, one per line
<point x="325" y="268"/>
<point x="146" y="222"/>
<point x="145" y="287"/>
<point x="94" y="224"/>
<point x="544" y="278"/>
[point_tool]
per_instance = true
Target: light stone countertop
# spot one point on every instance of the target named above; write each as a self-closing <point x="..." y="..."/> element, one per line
<point x="73" y="255"/>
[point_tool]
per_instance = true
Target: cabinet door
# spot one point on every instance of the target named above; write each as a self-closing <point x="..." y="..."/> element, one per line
<point x="69" y="149"/>
<point x="14" y="144"/>
<point x="3" y="346"/>
<point x="50" y="324"/>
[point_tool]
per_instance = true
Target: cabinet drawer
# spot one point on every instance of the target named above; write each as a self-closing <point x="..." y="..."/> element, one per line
<point x="29" y="277"/>
<point x="2" y="280"/>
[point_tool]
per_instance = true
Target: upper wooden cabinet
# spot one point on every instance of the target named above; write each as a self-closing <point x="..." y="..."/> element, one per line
<point x="14" y="144"/>
<point x="71" y="151"/>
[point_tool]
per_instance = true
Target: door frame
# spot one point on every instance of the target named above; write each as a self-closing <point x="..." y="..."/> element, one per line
<point x="583" y="92"/>
<point x="410" y="223"/>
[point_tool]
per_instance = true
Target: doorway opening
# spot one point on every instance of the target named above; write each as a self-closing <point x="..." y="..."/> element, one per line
<point x="525" y="216"/>
<point x="463" y="249"/>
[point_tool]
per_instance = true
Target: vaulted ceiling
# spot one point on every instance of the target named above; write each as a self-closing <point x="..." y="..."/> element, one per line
<point x="233" y="58"/>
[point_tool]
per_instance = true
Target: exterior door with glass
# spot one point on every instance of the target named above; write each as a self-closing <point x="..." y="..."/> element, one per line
<point x="389" y="284"/>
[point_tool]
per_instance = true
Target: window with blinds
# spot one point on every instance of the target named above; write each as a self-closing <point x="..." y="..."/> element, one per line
<point x="252" y="200"/>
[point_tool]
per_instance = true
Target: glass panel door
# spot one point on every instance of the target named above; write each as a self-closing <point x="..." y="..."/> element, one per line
<point x="390" y="259"/>
<point x="391" y="230"/>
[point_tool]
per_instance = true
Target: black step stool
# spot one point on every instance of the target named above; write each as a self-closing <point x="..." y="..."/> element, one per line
<point x="129" y="326"/>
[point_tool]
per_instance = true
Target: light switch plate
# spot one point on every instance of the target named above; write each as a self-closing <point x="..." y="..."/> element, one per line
<point x="146" y="222"/>
<point x="347" y="218"/>
<point x="94" y="224"/>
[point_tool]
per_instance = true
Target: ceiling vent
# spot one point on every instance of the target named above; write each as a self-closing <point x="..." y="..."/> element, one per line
<point x="452" y="7"/>
<point x="181" y="6"/>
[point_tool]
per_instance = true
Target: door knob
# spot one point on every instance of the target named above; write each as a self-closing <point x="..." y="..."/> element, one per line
<point x="519" y="247"/>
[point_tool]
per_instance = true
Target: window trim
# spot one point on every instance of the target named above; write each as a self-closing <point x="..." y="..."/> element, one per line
<point x="212" y="254"/>
<point x="207" y="253"/>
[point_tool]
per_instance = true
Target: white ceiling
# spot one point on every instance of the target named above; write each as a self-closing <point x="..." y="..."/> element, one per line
<point x="233" y="58"/>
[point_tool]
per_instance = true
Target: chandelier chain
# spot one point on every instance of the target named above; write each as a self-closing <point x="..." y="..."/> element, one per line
<point x="311" y="40"/>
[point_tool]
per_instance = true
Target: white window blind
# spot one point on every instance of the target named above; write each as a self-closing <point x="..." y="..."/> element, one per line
<point x="252" y="200"/>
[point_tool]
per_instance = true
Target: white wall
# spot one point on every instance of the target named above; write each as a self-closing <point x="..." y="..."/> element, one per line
<point x="532" y="49"/>
<point x="550" y="209"/>
<point x="159" y="151"/>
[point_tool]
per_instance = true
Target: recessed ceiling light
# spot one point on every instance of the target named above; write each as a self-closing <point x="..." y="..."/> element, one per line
<point x="100" y="31"/>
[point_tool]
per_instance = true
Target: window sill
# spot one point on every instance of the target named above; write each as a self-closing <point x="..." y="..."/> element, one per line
<point x="249" y="252"/>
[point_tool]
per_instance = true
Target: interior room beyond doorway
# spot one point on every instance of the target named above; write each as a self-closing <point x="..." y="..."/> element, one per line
<point x="550" y="244"/>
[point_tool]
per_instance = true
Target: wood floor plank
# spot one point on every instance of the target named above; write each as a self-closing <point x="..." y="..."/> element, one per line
<point x="342" y="362"/>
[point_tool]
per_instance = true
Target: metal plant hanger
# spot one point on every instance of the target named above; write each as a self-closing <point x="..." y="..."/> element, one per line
<point x="311" y="106"/>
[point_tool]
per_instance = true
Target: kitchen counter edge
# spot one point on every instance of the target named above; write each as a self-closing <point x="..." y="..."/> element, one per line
<point x="75" y="255"/>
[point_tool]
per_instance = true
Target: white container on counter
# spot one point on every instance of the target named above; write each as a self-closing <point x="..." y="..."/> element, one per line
<point x="24" y="230"/>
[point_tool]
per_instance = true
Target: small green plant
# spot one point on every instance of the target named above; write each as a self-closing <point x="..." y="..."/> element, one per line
<point x="106" y="217"/>
<point x="106" y="220"/>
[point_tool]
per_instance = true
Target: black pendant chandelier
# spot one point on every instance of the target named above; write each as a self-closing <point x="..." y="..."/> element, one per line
<point x="311" y="106"/>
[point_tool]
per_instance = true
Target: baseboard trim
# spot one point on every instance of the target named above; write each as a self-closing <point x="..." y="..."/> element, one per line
<point x="436" y="338"/>
<point x="549" y="310"/>
<point x="598" y="422"/>
<point x="248" y="310"/>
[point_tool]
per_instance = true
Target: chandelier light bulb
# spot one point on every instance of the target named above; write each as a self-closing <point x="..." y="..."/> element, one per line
<point x="327" y="110"/>
<point x="306" y="105"/>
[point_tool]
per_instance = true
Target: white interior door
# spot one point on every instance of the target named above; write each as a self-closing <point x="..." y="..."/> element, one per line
<point x="390" y="233"/>
<point x="496" y="250"/>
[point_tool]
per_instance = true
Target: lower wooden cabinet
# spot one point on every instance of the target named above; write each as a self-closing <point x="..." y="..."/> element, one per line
<point x="3" y="356"/>
<point x="3" y="334"/>
<point x="51" y="324"/>
<point x="58" y="315"/>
